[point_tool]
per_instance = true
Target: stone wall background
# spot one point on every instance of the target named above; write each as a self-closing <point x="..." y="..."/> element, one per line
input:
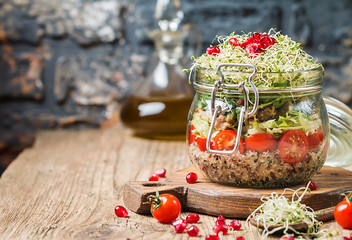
<point x="70" y="63"/>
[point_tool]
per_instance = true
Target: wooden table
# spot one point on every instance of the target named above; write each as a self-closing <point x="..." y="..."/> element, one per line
<point x="67" y="185"/>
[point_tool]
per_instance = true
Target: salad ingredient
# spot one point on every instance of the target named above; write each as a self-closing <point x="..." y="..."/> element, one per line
<point x="202" y="143"/>
<point x="120" y="211"/>
<point x="154" y="178"/>
<point x="193" y="231"/>
<point x="312" y="185"/>
<point x="225" y="140"/>
<point x="213" y="50"/>
<point x="293" y="146"/>
<point x="212" y="237"/>
<point x="191" y="177"/>
<point x="160" y="172"/>
<point x="279" y="210"/>
<point x="287" y="238"/>
<point x="233" y="42"/>
<point x="165" y="207"/>
<point x="221" y="228"/>
<point x="235" y="225"/>
<point x="343" y="213"/>
<point x="261" y="142"/>
<point x="192" y="218"/>
<point x="180" y="227"/>
<point x="273" y="52"/>
<point x="315" y="139"/>
<point x="192" y="136"/>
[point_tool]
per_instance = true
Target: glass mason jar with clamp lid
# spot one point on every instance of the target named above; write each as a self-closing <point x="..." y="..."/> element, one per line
<point x="243" y="134"/>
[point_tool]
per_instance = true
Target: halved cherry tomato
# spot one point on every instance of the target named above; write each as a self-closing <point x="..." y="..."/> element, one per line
<point x="165" y="208"/>
<point x="225" y="140"/>
<point x="260" y="142"/>
<point x="192" y="136"/>
<point x="293" y="146"/>
<point x="202" y="143"/>
<point x="343" y="213"/>
<point x="315" y="139"/>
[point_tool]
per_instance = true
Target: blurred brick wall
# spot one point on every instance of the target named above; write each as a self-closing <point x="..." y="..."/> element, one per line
<point x="69" y="63"/>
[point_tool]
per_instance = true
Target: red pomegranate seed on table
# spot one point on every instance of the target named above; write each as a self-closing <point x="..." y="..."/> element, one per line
<point x="212" y="237"/>
<point x="180" y="225"/>
<point x="191" y="177"/>
<point x="120" y="211"/>
<point x="160" y="172"/>
<point x="240" y="238"/>
<point x="221" y="228"/>
<point x="221" y="218"/>
<point x="193" y="231"/>
<point x="154" y="178"/>
<point x="235" y="225"/>
<point x="192" y="218"/>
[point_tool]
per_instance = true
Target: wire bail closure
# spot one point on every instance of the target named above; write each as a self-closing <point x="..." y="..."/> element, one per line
<point x="217" y="110"/>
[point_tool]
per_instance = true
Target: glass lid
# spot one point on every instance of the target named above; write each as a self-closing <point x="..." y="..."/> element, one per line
<point x="340" y="117"/>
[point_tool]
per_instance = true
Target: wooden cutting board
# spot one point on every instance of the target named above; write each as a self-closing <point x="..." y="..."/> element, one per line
<point x="210" y="198"/>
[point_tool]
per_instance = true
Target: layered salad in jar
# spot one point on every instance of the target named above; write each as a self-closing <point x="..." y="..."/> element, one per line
<point x="287" y="139"/>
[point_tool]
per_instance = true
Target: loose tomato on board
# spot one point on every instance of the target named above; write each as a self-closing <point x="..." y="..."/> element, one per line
<point x="293" y="146"/>
<point x="165" y="207"/>
<point x="260" y="142"/>
<point x="343" y="212"/>
<point x="315" y="139"/>
<point x="225" y="140"/>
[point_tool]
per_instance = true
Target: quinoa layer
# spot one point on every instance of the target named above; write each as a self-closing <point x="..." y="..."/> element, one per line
<point x="253" y="169"/>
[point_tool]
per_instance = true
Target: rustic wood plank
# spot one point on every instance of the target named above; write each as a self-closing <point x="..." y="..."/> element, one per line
<point x="67" y="185"/>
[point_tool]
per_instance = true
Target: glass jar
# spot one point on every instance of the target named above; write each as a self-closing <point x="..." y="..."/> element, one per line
<point x="243" y="134"/>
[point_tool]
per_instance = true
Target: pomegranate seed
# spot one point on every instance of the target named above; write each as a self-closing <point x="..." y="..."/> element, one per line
<point x="287" y="238"/>
<point x="248" y="41"/>
<point x="180" y="228"/>
<point x="240" y="238"/>
<point x="179" y="221"/>
<point x="221" y="218"/>
<point x="191" y="177"/>
<point x="233" y="42"/>
<point x="212" y="237"/>
<point x="154" y="178"/>
<point x="312" y="186"/>
<point x="220" y="222"/>
<point x="345" y="238"/>
<point x="180" y="225"/>
<point x="120" y="211"/>
<point x="192" y="218"/>
<point x="160" y="172"/>
<point x="213" y="50"/>
<point x="235" y="225"/>
<point x="221" y="228"/>
<point x="256" y="36"/>
<point x="193" y="231"/>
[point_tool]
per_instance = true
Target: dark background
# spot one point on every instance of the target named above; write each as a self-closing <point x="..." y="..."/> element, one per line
<point x="70" y="63"/>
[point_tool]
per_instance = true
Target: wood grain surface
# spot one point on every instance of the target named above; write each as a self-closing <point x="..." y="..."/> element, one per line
<point x="68" y="184"/>
<point x="210" y="198"/>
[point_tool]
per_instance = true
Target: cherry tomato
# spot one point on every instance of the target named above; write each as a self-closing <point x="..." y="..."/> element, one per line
<point x="202" y="143"/>
<point x="260" y="142"/>
<point x="293" y="146"/>
<point x="315" y="139"/>
<point x="165" y="207"/>
<point x="192" y="136"/>
<point x="225" y="140"/>
<point x="343" y="214"/>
